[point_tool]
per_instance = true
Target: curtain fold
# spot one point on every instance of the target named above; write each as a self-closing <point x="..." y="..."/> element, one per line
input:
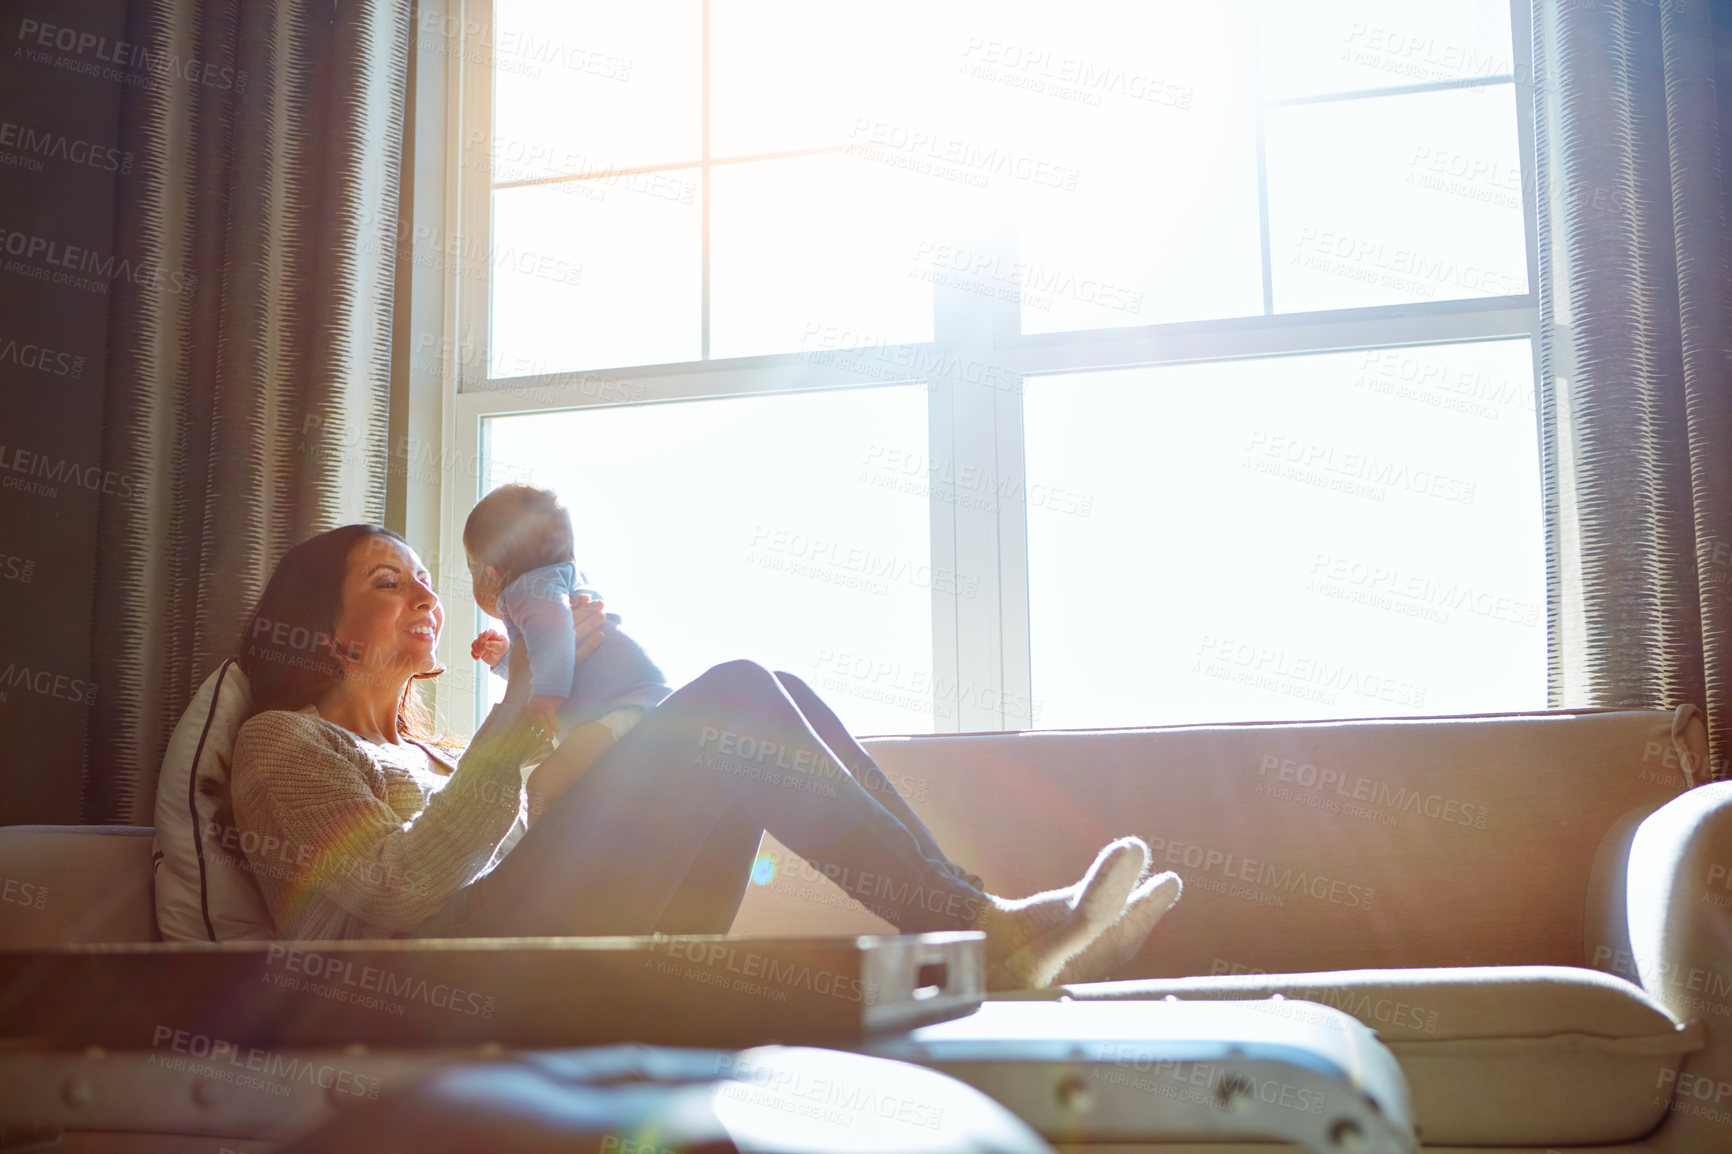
<point x="247" y="390"/>
<point x="1635" y="402"/>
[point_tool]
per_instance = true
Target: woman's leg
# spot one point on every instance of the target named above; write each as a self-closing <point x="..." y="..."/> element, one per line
<point x="707" y="899"/>
<point x="829" y="727"/>
<point x="614" y="853"/>
<point x="1110" y="949"/>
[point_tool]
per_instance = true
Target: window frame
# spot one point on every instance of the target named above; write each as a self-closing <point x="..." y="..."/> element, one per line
<point x="980" y="644"/>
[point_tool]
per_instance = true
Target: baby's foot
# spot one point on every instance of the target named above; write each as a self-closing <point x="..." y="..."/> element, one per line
<point x="1121" y="940"/>
<point x="1029" y="939"/>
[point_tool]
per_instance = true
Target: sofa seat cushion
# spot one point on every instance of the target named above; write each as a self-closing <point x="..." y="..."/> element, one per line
<point x="1508" y="1055"/>
<point x="73" y="884"/>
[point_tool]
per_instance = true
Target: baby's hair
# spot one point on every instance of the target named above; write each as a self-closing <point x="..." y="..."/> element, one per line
<point x="517" y="528"/>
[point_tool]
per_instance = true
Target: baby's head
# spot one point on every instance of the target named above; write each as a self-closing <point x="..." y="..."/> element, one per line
<point x="510" y="531"/>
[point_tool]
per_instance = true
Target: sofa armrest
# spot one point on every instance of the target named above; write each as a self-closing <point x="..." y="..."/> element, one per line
<point x="1679" y="911"/>
<point x="64" y="884"/>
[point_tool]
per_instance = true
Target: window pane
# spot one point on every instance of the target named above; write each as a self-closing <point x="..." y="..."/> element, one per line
<point x="741" y="528"/>
<point x="1343" y="535"/>
<point x="1061" y="68"/>
<point x="1160" y="225"/>
<point x="790" y="74"/>
<point x="587" y="87"/>
<point x="1027" y="73"/>
<point x="581" y="283"/>
<point x="809" y="245"/>
<point x="1396" y="199"/>
<point x="1141" y="112"/>
<point x="1325" y="46"/>
<point x="1121" y="132"/>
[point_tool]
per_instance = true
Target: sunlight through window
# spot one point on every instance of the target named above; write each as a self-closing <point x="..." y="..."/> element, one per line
<point x="769" y="528"/>
<point x="1224" y="311"/>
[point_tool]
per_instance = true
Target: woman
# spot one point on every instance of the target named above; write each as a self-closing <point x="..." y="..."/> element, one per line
<point x="338" y="773"/>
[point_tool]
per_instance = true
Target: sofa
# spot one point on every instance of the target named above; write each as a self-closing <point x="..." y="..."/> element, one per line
<point x="1533" y="911"/>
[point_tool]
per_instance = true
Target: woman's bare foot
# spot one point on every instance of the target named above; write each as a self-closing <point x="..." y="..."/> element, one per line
<point x="1028" y="940"/>
<point x="1121" y="940"/>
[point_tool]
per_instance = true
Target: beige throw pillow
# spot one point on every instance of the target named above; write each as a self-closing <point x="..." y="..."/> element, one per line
<point x="204" y="886"/>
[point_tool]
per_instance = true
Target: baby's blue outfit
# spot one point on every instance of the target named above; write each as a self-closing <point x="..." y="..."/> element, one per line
<point x="617" y="675"/>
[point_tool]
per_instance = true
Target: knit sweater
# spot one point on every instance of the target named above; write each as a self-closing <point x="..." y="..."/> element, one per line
<point x="350" y="845"/>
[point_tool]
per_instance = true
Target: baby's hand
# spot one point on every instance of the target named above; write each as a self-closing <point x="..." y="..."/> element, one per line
<point x="490" y="646"/>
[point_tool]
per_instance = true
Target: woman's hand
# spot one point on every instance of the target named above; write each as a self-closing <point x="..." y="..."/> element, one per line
<point x="587" y="619"/>
<point x="542" y="713"/>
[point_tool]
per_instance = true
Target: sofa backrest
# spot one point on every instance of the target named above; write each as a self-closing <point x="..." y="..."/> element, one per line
<point x="1491" y="840"/>
<point x="65" y="884"/>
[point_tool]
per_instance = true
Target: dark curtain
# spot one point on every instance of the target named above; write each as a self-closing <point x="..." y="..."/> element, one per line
<point x="1635" y="401"/>
<point x="248" y="379"/>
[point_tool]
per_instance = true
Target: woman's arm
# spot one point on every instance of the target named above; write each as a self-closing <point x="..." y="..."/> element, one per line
<point x="580" y="750"/>
<point x="294" y="782"/>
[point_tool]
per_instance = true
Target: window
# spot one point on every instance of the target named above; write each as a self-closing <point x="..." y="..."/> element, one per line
<point x="1314" y="536"/>
<point x="723" y="527"/>
<point x="1009" y="365"/>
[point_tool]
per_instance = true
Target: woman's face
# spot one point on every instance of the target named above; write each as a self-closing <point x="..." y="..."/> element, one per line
<point x="390" y="617"/>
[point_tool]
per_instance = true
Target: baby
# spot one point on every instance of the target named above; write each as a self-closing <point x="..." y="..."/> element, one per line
<point x="520" y="545"/>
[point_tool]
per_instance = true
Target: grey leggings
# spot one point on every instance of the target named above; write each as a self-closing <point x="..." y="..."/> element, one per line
<point x="661" y="833"/>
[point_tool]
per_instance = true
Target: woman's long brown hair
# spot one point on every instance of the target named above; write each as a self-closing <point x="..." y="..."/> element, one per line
<point x="288" y="649"/>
